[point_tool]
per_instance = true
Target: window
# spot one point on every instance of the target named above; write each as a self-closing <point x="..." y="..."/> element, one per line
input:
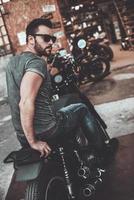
<point x="4" y="1"/>
<point x="5" y="45"/>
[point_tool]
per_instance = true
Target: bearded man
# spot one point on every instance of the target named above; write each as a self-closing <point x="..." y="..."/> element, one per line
<point x="29" y="95"/>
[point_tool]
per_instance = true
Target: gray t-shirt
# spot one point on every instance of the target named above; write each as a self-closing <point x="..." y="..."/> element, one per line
<point x="44" y="118"/>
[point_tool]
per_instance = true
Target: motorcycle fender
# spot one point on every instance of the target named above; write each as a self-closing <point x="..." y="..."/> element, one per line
<point x="28" y="172"/>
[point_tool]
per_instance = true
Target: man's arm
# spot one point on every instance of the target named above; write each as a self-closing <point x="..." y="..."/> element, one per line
<point x="29" y="88"/>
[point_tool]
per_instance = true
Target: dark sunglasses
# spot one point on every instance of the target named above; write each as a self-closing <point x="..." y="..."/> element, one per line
<point x="46" y="37"/>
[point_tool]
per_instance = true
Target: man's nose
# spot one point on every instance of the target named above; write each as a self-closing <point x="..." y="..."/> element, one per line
<point x="51" y="42"/>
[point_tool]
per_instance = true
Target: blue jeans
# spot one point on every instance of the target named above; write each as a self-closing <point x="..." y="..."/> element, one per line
<point x="78" y="115"/>
<point x="69" y="119"/>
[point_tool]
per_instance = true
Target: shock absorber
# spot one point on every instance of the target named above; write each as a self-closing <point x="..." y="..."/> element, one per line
<point x="66" y="174"/>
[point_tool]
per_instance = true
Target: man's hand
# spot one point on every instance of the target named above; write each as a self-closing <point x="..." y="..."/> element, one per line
<point x="54" y="71"/>
<point x="42" y="147"/>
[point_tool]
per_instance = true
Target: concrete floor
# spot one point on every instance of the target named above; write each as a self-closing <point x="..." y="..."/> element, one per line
<point x="119" y="183"/>
<point x="121" y="58"/>
<point x="114" y="100"/>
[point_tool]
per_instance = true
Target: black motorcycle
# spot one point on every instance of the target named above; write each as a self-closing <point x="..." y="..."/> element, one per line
<point x="72" y="171"/>
<point x="92" y="66"/>
<point x="126" y="43"/>
<point x="97" y="46"/>
<point x="69" y="173"/>
<point x="87" y="68"/>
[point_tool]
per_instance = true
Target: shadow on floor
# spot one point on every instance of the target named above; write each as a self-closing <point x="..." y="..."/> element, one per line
<point x="118" y="184"/>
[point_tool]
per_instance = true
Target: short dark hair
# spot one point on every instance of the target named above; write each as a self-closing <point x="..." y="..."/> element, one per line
<point x="32" y="27"/>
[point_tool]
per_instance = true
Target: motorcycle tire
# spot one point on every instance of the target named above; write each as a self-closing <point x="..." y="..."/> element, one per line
<point x="99" y="68"/>
<point x="106" y="52"/>
<point x="50" y="185"/>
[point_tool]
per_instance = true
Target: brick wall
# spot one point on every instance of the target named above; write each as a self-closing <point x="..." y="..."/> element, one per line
<point x="21" y="12"/>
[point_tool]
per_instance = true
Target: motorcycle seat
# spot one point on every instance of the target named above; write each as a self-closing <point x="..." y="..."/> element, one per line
<point x="23" y="156"/>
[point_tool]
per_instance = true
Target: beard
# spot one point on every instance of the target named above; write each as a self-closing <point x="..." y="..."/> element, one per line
<point x="43" y="51"/>
<point x="47" y="51"/>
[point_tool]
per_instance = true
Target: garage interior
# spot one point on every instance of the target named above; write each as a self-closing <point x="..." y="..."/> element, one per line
<point x="112" y="18"/>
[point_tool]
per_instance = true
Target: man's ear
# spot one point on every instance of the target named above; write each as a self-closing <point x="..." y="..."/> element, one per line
<point x="31" y="40"/>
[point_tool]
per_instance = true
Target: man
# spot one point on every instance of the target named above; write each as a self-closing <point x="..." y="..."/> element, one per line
<point x="29" y="93"/>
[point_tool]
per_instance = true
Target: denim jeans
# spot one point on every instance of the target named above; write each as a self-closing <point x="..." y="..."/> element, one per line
<point x="78" y="115"/>
<point x="69" y="119"/>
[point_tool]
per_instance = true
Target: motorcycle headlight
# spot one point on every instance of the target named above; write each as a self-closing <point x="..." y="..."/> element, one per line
<point x="58" y="78"/>
<point x="81" y="43"/>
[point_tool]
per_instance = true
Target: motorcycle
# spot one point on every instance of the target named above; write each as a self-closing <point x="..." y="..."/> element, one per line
<point x="72" y="171"/>
<point x="67" y="174"/>
<point x="66" y="76"/>
<point x="65" y="86"/>
<point x="98" y="45"/>
<point x="92" y="67"/>
<point x="83" y="68"/>
<point x="127" y="43"/>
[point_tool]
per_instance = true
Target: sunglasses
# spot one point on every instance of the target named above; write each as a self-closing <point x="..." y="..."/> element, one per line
<point x="46" y="37"/>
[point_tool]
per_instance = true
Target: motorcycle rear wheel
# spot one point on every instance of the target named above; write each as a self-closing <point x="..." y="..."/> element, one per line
<point x="99" y="68"/>
<point x="50" y="185"/>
